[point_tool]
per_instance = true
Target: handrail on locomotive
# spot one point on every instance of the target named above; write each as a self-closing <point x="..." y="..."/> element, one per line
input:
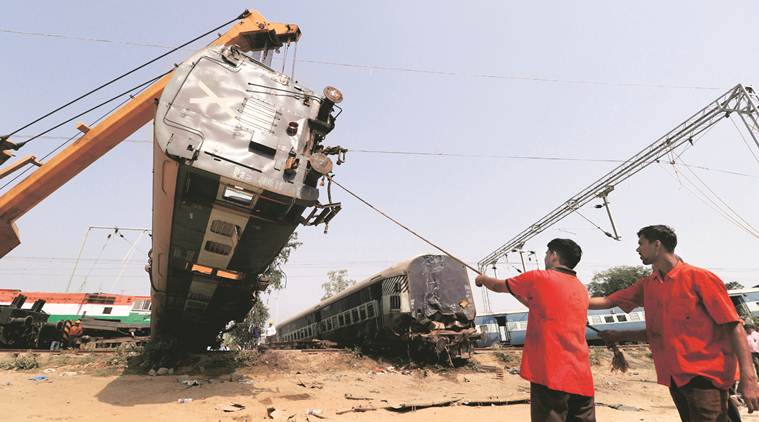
<point x="251" y="33"/>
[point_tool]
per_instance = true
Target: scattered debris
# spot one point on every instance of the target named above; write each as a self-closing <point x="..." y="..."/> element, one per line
<point x="183" y="401"/>
<point x="410" y="407"/>
<point x="302" y="396"/>
<point x="495" y="402"/>
<point x="315" y="412"/>
<point x="191" y="383"/>
<point x="49" y="370"/>
<point x="152" y="372"/>
<point x="38" y="378"/>
<point x="315" y="384"/>
<point x="357" y="409"/>
<point x="620" y="406"/>
<point x="162" y="371"/>
<point x="350" y="396"/>
<point x="231" y="407"/>
<point x="514" y="371"/>
<point x="618" y="362"/>
<point x="69" y="374"/>
<point x="279" y="415"/>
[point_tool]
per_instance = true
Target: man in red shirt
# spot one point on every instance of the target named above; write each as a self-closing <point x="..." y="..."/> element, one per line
<point x="555" y="358"/>
<point x="692" y="328"/>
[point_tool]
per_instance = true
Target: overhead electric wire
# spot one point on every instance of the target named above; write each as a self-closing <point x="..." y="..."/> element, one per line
<point x="594" y="224"/>
<point x="97" y="106"/>
<point x="125" y="74"/>
<point x="395" y="68"/>
<point x="76" y="38"/>
<point x="722" y="201"/>
<point x="706" y="200"/>
<point x="94" y="263"/>
<point x="745" y="141"/>
<point x="139" y="88"/>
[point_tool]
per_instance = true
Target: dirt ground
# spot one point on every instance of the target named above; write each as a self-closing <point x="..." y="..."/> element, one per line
<point x="286" y="385"/>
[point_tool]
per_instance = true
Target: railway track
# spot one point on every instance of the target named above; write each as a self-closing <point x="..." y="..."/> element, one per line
<point x="592" y="347"/>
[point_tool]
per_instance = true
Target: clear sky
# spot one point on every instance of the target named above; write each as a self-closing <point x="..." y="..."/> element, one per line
<point x="589" y="80"/>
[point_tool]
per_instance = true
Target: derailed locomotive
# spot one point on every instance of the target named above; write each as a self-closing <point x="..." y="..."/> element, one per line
<point x="423" y="306"/>
<point x="237" y="159"/>
<point x="22" y="327"/>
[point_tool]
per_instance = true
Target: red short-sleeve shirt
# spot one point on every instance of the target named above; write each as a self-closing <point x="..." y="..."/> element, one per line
<point x="684" y="313"/>
<point x="555" y="350"/>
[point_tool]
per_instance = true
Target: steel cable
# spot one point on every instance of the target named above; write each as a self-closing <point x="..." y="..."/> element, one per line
<point x="244" y="14"/>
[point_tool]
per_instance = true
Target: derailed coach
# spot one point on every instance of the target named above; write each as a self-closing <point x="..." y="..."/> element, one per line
<point x="422" y="306"/>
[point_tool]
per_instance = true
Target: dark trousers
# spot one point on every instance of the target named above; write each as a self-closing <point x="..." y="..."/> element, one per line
<point x="700" y="401"/>
<point x="548" y="405"/>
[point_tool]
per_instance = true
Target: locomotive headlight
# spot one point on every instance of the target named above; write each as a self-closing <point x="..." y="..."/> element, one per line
<point x="333" y="94"/>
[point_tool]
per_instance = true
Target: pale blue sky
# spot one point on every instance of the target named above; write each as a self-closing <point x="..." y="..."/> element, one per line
<point x="608" y="58"/>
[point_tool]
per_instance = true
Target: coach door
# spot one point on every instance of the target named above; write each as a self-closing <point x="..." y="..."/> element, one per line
<point x="395" y="297"/>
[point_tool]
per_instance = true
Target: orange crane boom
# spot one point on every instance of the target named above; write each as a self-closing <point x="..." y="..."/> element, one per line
<point x="253" y="32"/>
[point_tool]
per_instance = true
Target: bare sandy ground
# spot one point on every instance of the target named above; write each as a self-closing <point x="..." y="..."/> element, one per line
<point x="95" y="388"/>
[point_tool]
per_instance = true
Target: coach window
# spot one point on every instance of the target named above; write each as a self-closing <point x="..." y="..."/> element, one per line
<point x="595" y="319"/>
<point x="354" y="313"/>
<point x="621" y="318"/>
<point x="395" y="303"/>
<point x="348" y="320"/>
<point x="370" y="310"/>
<point x="362" y="311"/>
<point x="609" y="318"/>
<point x="341" y="319"/>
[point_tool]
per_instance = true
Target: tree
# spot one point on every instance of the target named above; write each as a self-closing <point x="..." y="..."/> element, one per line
<point x="616" y="278"/>
<point x="337" y="281"/>
<point x="241" y="334"/>
<point x="734" y="285"/>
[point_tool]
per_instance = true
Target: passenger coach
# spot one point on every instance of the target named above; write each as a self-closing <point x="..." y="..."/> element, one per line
<point x="424" y="304"/>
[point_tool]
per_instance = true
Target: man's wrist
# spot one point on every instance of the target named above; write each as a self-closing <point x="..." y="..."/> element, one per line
<point x="748" y="375"/>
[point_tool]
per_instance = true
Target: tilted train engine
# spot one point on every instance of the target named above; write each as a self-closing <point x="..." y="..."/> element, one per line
<point x="237" y="159"/>
<point x="423" y="306"/>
